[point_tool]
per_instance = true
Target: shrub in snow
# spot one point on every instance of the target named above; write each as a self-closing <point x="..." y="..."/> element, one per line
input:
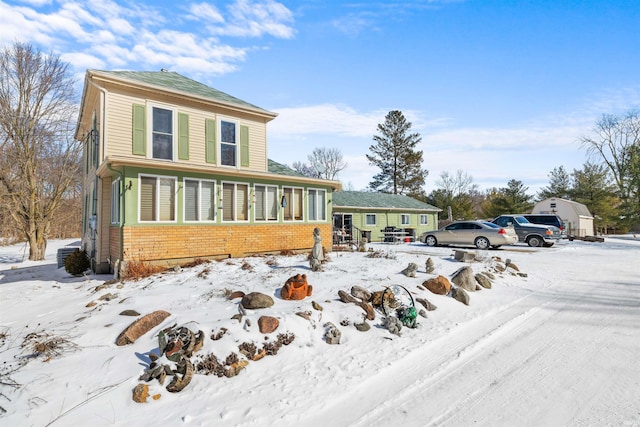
<point x="77" y="262"/>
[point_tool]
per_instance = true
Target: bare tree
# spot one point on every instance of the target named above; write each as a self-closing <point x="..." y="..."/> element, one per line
<point x="327" y="162"/>
<point x="615" y="140"/>
<point x="38" y="155"/>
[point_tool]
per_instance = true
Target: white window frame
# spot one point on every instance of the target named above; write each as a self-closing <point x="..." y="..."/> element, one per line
<point x="366" y="219"/>
<point x="158" y="179"/>
<point x="198" y="200"/>
<point x="265" y="207"/>
<point x="320" y="214"/>
<point x="294" y="191"/>
<point x="115" y="201"/>
<point x="220" y="143"/>
<point x="402" y="219"/>
<point x="424" y="219"/>
<point x="174" y="130"/>
<point x="235" y="201"/>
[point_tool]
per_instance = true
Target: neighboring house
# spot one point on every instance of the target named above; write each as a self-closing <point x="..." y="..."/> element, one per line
<point x="577" y="219"/>
<point x="175" y="170"/>
<point x="364" y="214"/>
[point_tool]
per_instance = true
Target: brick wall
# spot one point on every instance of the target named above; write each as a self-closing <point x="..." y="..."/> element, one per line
<point x="173" y="243"/>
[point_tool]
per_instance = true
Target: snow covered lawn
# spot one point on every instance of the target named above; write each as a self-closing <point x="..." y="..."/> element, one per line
<point x="559" y="347"/>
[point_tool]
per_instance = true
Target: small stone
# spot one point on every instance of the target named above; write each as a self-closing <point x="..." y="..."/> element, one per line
<point x="362" y="327"/>
<point x="423" y="313"/>
<point x="426" y="303"/>
<point x="304" y="314"/>
<point x="256" y="300"/>
<point x="156" y="396"/>
<point x="91" y="304"/>
<point x="461" y="295"/>
<point x="268" y="324"/>
<point x="483" y="280"/>
<point x="235" y="368"/>
<point x="236" y="294"/>
<point x="316" y="306"/>
<point x="360" y="292"/>
<point x="368" y="308"/>
<point x="237" y="317"/>
<point x="345" y="297"/>
<point x="129" y="313"/>
<point x="108" y="297"/>
<point x="141" y="393"/>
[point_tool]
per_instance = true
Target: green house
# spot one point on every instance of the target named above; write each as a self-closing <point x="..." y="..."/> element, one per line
<point x="367" y="215"/>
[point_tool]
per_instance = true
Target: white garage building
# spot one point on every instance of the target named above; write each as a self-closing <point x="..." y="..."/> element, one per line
<point x="577" y="219"/>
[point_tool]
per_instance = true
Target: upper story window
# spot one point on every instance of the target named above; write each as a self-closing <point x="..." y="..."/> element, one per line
<point x="291" y="203"/>
<point x="317" y="205"/>
<point x="199" y="200"/>
<point x="162" y="133"/>
<point x="404" y="219"/>
<point x="266" y="203"/>
<point x="228" y="143"/>
<point x="157" y="198"/>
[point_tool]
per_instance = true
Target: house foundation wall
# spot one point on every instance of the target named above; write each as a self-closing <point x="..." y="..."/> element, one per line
<point x="175" y="244"/>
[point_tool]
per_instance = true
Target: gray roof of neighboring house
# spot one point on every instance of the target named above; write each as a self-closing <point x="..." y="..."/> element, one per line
<point x="280" y="169"/>
<point x="363" y="199"/>
<point x="177" y="82"/>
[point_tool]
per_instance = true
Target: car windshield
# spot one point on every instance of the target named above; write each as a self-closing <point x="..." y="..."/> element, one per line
<point x="521" y="220"/>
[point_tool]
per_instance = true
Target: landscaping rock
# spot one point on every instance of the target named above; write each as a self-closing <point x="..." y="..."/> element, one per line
<point x="332" y="334"/>
<point x="141" y="393"/>
<point x="410" y="270"/>
<point x="141" y="327"/>
<point x="236" y="294"/>
<point x="429" y="266"/>
<point x="316" y="306"/>
<point x="360" y="292"/>
<point x="346" y="298"/>
<point x="256" y="300"/>
<point x="483" y="280"/>
<point x="362" y="327"/>
<point x="129" y="313"/>
<point x="461" y="295"/>
<point x="268" y="324"/>
<point x="368" y="309"/>
<point x="428" y="305"/>
<point x="182" y="377"/>
<point x="465" y="279"/>
<point x="438" y="285"/>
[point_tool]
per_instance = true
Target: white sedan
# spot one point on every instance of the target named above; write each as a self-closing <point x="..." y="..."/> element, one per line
<point x="481" y="234"/>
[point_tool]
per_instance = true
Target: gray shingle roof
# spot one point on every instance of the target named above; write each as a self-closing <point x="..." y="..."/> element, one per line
<point x="362" y="199"/>
<point x="280" y="169"/>
<point x="177" y="82"/>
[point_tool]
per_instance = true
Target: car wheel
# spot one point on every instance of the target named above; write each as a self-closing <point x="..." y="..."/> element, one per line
<point x="482" y="243"/>
<point x="430" y="241"/>
<point x="534" y="241"/>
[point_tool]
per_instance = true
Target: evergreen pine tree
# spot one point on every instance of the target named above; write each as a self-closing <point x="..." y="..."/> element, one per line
<point x="394" y="153"/>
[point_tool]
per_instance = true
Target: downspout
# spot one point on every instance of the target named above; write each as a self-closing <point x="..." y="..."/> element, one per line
<point x="123" y="212"/>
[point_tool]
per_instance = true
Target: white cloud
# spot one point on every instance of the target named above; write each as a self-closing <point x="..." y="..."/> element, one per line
<point x="255" y="19"/>
<point x="204" y="12"/>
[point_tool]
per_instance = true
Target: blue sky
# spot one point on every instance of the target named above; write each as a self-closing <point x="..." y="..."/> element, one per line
<point x="499" y="89"/>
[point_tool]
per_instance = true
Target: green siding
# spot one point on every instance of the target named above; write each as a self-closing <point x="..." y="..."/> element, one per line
<point x="139" y="137"/>
<point x="183" y="136"/>
<point x="210" y="140"/>
<point x="244" y="145"/>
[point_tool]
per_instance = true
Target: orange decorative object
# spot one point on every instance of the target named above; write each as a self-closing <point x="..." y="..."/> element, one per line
<point x="296" y="288"/>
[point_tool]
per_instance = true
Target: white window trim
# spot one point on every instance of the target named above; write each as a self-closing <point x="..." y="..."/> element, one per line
<point x="254" y="204"/>
<point x="235" y="192"/>
<point x="375" y="220"/>
<point x="219" y="120"/>
<point x="317" y="190"/>
<point x="149" y="130"/>
<point x="157" y="207"/>
<point x="184" y="200"/>
<point x="426" y="217"/>
<point x="115" y="201"/>
<point x="408" y="218"/>
<point x="302" y="192"/>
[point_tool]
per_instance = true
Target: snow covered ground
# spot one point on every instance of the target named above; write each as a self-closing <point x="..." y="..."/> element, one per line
<point x="559" y="347"/>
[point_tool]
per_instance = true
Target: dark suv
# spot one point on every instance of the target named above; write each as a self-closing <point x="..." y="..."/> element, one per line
<point x="547" y="219"/>
<point x="530" y="233"/>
